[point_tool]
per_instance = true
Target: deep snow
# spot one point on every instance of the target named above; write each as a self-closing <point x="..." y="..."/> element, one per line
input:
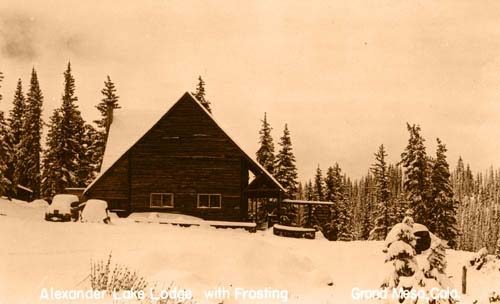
<point x="35" y="254"/>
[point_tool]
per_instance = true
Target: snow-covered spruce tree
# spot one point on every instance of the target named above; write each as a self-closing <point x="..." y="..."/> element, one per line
<point x="6" y="151"/>
<point x="52" y="155"/>
<point x="416" y="176"/>
<point x="108" y="103"/>
<point x="345" y="230"/>
<point x="443" y="211"/>
<point x="265" y="154"/>
<point x="400" y="251"/>
<point x="89" y="161"/>
<point x="27" y="170"/>
<point x="200" y="94"/>
<point x="68" y="146"/>
<point x="435" y="272"/>
<point x="286" y="170"/>
<point x="318" y="185"/>
<point x="15" y="121"/>
<point x="72" y="131"/>
<point x="382" y="212"/>
<point x="286" y="173"/>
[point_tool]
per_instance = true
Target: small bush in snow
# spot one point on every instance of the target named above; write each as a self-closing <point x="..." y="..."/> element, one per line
<point x="104" y="278"/>
<point x="400" y="251"/>
<point x="494" y="297"/>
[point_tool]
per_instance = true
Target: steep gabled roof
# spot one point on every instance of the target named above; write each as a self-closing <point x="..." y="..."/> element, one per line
<point x="120" y="141"/>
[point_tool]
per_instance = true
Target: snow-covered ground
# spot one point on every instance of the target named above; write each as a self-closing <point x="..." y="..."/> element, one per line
<point x="36" y="254"/>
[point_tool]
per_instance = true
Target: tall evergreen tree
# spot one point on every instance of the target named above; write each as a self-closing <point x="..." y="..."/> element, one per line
<point x="107" y="104"/>
<point x="89" y="161"/>
<point x="318" y="185"/>
<point x="200" y="94"/>
<point x="265" y="154"/>
<point x="16" y="113"/>
<point x="286" y="170"/>
<point x="67" y="146"/>
<point x="383" y="215"/>
<point x="330" y="185"/>
<point x="106" y="107"/>
<point x="52" y="175"/>
<point x="27" y="170"/>
<point x="417" y="182"/>
<point x="443" y="211"/>
<point x="345" y="231"/>
<point x="15" y="120"/>
<point x="72" y="129"/>
<point x="6" y="150"/>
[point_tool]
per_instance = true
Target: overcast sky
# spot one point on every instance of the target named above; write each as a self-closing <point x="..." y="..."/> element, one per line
<point x="345" y="75"/>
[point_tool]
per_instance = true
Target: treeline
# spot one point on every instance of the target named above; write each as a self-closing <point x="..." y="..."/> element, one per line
<point x="479" y="208"/>
<point x="73" y="149"/>
<point x="419" y="185"/>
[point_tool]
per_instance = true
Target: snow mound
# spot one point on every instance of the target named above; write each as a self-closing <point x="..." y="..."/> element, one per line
<point x="95" y="211"/>
<point x="39" y="203"/>
<point x="164" y="216"/>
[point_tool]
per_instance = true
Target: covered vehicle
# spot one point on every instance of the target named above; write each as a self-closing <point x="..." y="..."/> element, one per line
<point x="63" y="208"/>
<point x="95" y="211"/>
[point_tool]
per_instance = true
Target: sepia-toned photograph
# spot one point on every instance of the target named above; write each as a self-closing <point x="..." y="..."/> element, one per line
<point x="260" y="152"/>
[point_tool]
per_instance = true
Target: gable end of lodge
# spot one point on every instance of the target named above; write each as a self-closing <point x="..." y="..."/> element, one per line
<point x="184" y="163"/>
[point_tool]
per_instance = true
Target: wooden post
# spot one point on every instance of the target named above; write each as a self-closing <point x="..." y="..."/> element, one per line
<point x="464" y="280"/>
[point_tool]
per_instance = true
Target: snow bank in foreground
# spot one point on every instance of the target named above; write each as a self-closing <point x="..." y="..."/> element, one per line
<point x="37" y="254"/>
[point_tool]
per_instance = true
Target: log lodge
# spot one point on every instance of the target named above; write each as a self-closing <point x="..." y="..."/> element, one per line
<point x="181" y="162"/>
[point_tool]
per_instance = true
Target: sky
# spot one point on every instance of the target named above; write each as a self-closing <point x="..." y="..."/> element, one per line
<point x="345" y="76"/>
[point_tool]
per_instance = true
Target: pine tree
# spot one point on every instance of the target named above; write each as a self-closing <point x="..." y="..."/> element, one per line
<point x="286" y="170"/>
<point x="380" y="172"/>
<point x="52" y="156"/>
<point x="64" y="142"/>
<point x="318" y="185"/>
<point x="106" y="107"/>
<point x="15" y="121"/>
<point x="27" y="169"/>
<point x="72" y="129"/>
<point x="200" y="94"/>
<point x="330" y="185"/>
<point x="265" y="154"/>
<point x="90" y="159"/>
<point x="400" y="251"/>
<point x="16" y="113"/>
<point x="6" y="151"/>
<point x="416" y="183"/>
<point x="345" y="231"/>
<point x="107" y="104"/>
<point x="443" y="211"/>
<point x="435" y="273"/>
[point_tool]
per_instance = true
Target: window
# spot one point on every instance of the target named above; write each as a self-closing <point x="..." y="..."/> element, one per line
<point x="161" y="200"/>
<point x="209" y="201"/>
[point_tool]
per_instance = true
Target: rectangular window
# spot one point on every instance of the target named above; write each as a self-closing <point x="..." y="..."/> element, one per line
<point x="161" y="200"/>
<point x="209" y="201"/>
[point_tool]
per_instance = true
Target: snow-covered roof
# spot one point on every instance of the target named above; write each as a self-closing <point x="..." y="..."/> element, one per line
<point x="128" y="128"/>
